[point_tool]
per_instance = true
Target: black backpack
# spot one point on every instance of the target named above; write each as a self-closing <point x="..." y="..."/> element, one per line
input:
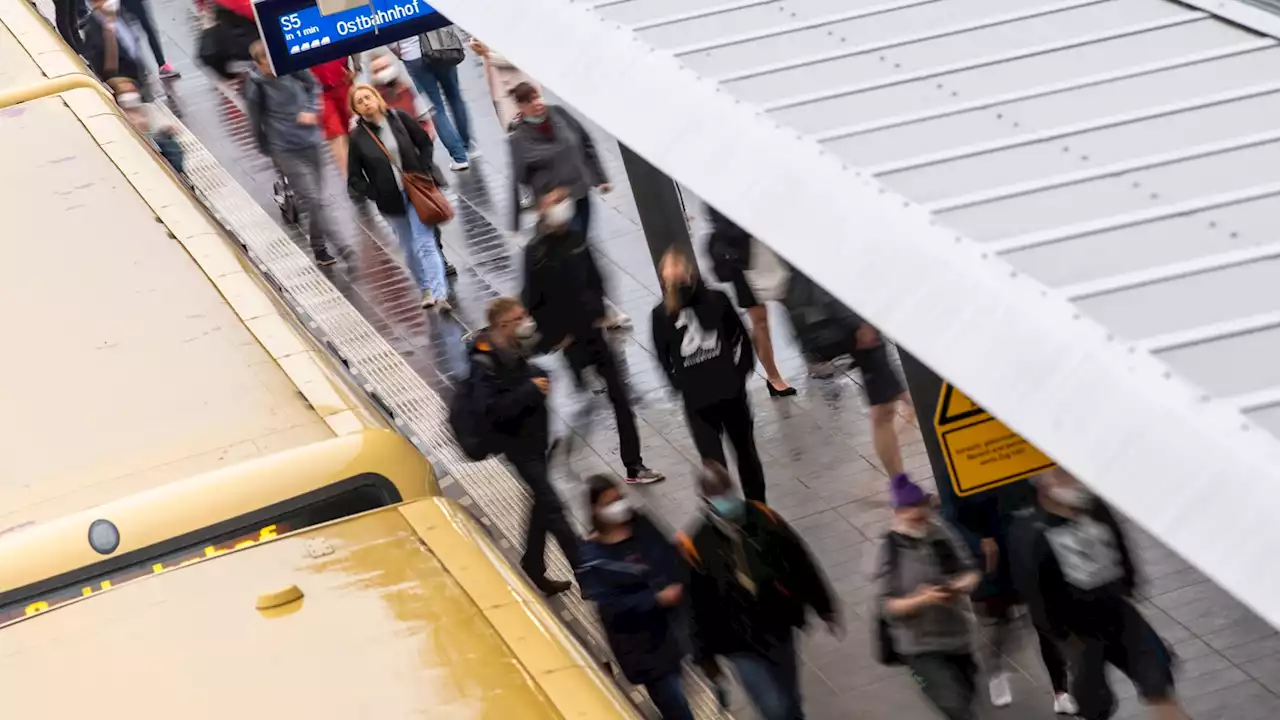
<point x="471" y="427"/>
<point x="443" y="47"/>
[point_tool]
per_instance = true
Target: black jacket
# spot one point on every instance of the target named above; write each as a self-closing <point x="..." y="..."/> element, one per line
<point x="1088" y="597"/>
<point x="563" y="289"/>
<point x="710" y="364"/>
<point x="561" y="154"/>
<point x="369" y="171"/>
<point x="96" y="45"/>
<point x="623" y="580"/>
<point x="515" y="407"/>
<point x="729" y="248"/>
<point x="729" y="617"/>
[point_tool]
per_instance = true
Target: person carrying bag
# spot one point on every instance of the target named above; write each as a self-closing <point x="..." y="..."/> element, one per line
<point x="390" y="164"/>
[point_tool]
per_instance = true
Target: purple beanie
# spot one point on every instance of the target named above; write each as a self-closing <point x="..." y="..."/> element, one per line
<point x="906" y="493"/>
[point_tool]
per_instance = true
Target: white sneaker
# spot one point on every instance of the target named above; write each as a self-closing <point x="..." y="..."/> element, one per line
<point x="1001" y="693"/>
<point x="456" y="166"/>
<point x="473" y="151"/>
<point x="428" y="300"/>
<point x="1064" y="704"/>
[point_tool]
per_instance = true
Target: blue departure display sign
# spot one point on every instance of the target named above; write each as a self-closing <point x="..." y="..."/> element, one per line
<point x="298" y="35"/>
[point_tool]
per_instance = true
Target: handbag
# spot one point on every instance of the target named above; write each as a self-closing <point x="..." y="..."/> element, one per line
<point x="432" y="206"/>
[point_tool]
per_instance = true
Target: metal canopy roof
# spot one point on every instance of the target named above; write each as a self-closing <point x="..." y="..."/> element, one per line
<point x="1066" y="207"/>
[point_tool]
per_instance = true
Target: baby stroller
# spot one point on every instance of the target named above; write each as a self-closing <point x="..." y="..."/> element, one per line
<point x="283" y="195"/>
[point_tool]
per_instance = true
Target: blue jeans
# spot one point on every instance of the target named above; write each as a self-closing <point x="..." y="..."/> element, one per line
<point x="441" y="85"/>
<point x="772" y="680"/>
<point x="419" y="244"/>
<point x="668" y="696"/>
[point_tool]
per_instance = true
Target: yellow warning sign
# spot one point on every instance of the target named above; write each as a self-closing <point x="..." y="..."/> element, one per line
<point x="981" y="452"/>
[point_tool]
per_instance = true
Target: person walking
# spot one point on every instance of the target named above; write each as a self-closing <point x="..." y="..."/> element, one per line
<point x="632" y="573"/>
<point x="383" y="147"/>
<point x="757" y="276"/>
<point x="502" y="76"/>
<point x="335" y="78"/>
<point x="924" y="579"/>
<point x="285" y="115"/>
<point x="984" y="521"/>
<point x="512" y="394"/>
<point x="565" y="293"/>
<point x="550" y="149"/>
<point x="1071" y="562"/>
<point x="140" y="11"/>
<point x="111" y="47"/>
<point x="703" y="349"/>
<point x="432" y="59"/>
<point x="752" y="582"/>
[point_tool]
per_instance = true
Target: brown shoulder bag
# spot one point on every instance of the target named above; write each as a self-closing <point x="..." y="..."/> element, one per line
<point x="427" y="200"/>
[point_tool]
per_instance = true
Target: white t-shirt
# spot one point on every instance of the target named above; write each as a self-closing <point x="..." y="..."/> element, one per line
<point x="410" y="49"/>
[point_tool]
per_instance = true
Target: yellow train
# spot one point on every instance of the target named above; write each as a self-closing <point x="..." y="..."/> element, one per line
<point x="200" y="516"/>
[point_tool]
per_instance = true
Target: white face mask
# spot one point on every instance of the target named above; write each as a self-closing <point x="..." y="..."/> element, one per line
<point x="616" y="512"/>
<point x="560" y="214"/>
<point x="1072" y="496"/>
<point x="386" y="76"/>
<point x="129" y="100"/>
<point x="111" y="6"/>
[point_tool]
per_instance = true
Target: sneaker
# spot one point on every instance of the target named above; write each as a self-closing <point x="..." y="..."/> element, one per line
<point x="324" y="259"/>
<point x="526" y="198"/>
<point x="428" y="300"/>
<point x="449" y="269"/>
<point x="1001" y="693"/>
<point x="644" y="476"/>
<point x="167" y="72"/>
<point x="551" y="587"/>
<point x="444" y="306"/>
<point x="473" y="151"/>
<point x="618" y="320"/>
<point x="1064" y="704"/>
<point x="458" y="166"/>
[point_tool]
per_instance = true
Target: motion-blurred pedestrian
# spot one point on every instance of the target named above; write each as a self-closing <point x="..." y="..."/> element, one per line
<point x="924" y="579"/>
<point x="111" y="46"/>
<point x="564" y="291"/>
<point x="433" y="63"/>
<point x="385" y="145"/>
<point x="758" y="276"/>
<point x="511" y="393"/>
<point x="550" y="149"/>
<point x="633" y="574"/>
<point x="335" y="78"/>
<point x="751" y="584"/>
<point x="140" y="11"/>
<point x="983" y="521"/>
<point x="1072" y="564"/>
<point x="705" y="352"/>
<point x="284" y="113"/>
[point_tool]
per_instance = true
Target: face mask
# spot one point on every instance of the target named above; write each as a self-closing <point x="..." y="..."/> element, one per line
<point x="385" y="76"/>
<point x="1074" y="496"/>
<point x="729" y="508"/>
<point x="527" y="336"/>
<point x="111" y="6"/>
<point x="129" y="100"/>
<point x="560" y="214"/>
<point x="616" y="512"/>
<point x="535" y="119"/>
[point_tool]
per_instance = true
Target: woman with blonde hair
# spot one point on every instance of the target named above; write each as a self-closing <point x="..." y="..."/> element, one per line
<point x="706" y="353"/>
<point x="384" y="145"/>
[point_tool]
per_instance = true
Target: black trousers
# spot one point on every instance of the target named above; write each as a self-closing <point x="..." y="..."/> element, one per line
<point x="66" y="16"/>
<point x="593" y="351"/>
<point x="732" y="417"/>
<point x="948" y="680"/>
<point x="546" y="516"/>
<point x="138" y="10"/>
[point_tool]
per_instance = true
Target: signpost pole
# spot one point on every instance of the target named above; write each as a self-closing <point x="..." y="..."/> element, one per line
<point x="925" y="388"/>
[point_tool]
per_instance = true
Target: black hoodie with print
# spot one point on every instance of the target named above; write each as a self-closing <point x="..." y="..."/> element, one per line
<point x="703" y="348"/>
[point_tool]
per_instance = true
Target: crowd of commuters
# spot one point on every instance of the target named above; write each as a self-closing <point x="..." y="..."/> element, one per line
<point x="734" y="590"/>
